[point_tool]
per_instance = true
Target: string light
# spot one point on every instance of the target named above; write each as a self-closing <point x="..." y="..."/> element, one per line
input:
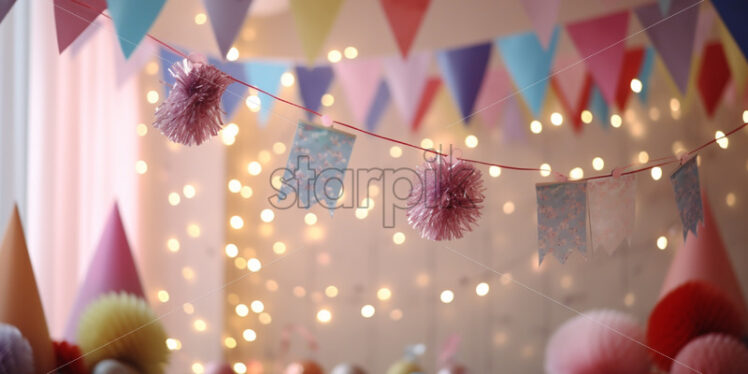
<point x="200" y="325"/>
<point x="264" y="156"/>
<point x="643" y="157"/>
<point x="152" y="68"/>
<point x="249" y="335"/>
<point x="279" y="148"/>
<point x="235" y="186"/>
<point x="239" y="368"/>
<point x="327" y="100"/>
<point x="396" y="152"/>
<point x="188" y="308"/>
<point x="678" y="148"/>
<point x="745" y="116"/>
<point x="324" y="316"/>
<point x="545" y="170"/>
<point x="334" y="56"/>
<point x="152" y="97"/>
<point x="396" y="314"/>
<point x="231" y="250"/>
<point x="299" y="291"/>
<point x="267" y="215"/>
<point x="246" y="192"/>
<point x="188" y="191"/>
<point x="240" y="263"/>
<point x="662" y="243"/>
<point x="242" y="310"/>
<point x="271" y="285"/>
<point x="471" y="141"/>
<point x="229" y="342"/>
<point x="557" y="119"/>
<point x="331" y="291"/>
<point x="193" y="230"/>
<point x="674" y="105"/>
<point x="141" y="129"/>
<point x="536" y="127"/>
<point x="586" y="117"/>
<point x="254" y="265"/>
<point x="508" y="208"/>
<point x="654" y="114"/>
<point x="163" y="296"/>
<point x="494" y="171"/>
<point x="482" y="289"/>
<point x="350" y="52"/>
<point x="576" y="173"/>
<point x="279" y="248"/>
<point x="505" y="279"/>
<point x="253" y="103"/>
<point x="730" y="199"/>
<point x="265" y="318"/>
<point x="188" y="273"/>
<point x="141" y="167"/>
<point x="636" y="85"/>
<point x="198" y="368"/>
<point x="288" y="79"/>
<point x="427" y="143"/>
<point x="656" y="173"/>
<point x="362" y="213"/>
<point x="367" y="311"/>
<point x="447" y="296"/>
<point x="616" y="121"/>
<point x="257" y="306"/>
<point x="232" y="54"/>
<point x="174" y="199"/>
<point x="398" y="238"/>
<point x="310" y="218"/>
<point x="173" y="245"/>
<point x="173" y="344"/>
<point x="254" y="168"/>
<point x="200" y="18"/>
<point x="722" y="141"/>
<point x="598" y="163"/>
<point x="236" y="222"/>
<point x="384" y="294"/>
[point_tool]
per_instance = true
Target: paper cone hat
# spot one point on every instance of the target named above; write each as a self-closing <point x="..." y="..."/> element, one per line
<point x="703" y="257"/>
<point x="112" y="269"/>
<point x="20" y="304"/>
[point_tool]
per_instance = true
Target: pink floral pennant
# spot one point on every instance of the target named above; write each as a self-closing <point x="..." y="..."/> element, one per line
<point x="611" y="203"/>
<point x="562" y="219"/>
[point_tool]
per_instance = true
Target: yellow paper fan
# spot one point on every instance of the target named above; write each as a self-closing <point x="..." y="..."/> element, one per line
<point x="123" y="327"/>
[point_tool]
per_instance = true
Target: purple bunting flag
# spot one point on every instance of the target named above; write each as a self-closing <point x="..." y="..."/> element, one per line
<point x="612" y="211"/>
<point x="562" y="219"/>
<point x="378" y="105"/>
<point x="688" y="195"/>
<point x="226" y="17"/>
<point x="313" y="84"/>
<point x="5" y="6"/>
<point x="463" y="70"/>
<point x="316" y="166"/>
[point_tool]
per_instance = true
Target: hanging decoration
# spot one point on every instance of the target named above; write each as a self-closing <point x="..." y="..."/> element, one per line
<point x="405" y="17"/>
<point x="704" y="27"/>
<point x="427" y="98"/>
<point x="612" y="213"/>
<point x="572" y="84"/>
<point x="738" y="66"/>
<point x="72" y="17"/>
<point x="645" y="73"/>
<point x="226" y="18"/>
<point x="69" y="358"/>
<point x="378" y="106"/>
<point x="406" y="79"/>
<point x="361" y="80"/>
<point x="446" y="199"/>
<point x="313" y="84"/>
<point x="15" y="351"/>
<point x="514" y="129"/>
<point x="685" y="182"/>
<point x="494" y="91"/>
<point x="132" y="20"/>
<point x="632" y="63"/>
<point x="5" y="6"/>
<point x="192" y="112"/>
<point x="712" y="353"/>
<point x="232" y="98"/>
<point x="599" y="107"/>
<point x="562" y="219"/>
<point x="733" y="15"/>
<point x="314" y="20"/>
<point x="542" y="14"/>
<point x="714" y="74"/>
<point x="267" y="75"/>
<point x="463" y="70"/>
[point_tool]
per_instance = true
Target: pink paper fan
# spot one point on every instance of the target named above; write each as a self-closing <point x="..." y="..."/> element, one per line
<point x="602" y="341"/>
<point x="712" y="354"/>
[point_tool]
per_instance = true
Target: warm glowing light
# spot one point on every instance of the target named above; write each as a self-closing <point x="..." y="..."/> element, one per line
<point x="557" y="119"/>
<point x="482" y="289"/>
<point x="246" y="192"/>
<point x="188" y="191"/>
<point x="152" y="68"/>
<point x="279" y="248"/>
<point x="731" y="199"/>
<point x="240" y="263"/>
<point x="396" y="152"/>
<point x="141" y="167"/>
<point x="257" y="306"/>
<point x="636" y="85"/>
<point x="662" y="243"/>
<point x="236" y="222"/>
<point x="447" y="296"/>
<point x="239" y="368"/>
<point x="362" y="213"/>
<point x="324" y="316"/>
<point x="398" y="238"/>
<point x="174" y="199"/>
<point x="232" y="54"/>
<point x="279" y="148"/>
<point x="545" y="170"/>
<point x="334" y="56"/>
<point x="188" y="273"/>
<point x="288" y="79"/>
<point x="231" y="250"/>
<point x="384" y="294"/>
<point x="598" y="163"/>
<point x="367" y="311"/>
<point x="200" y="18"/>
<point x="173" y="344"/>
<point x="229" y="342"/>
<point x="350" y="52"/>
<point x="271" y="285"/>
<point x="264" y="156"/>
<point x="267" y="215"/>
<point x="576" y="173"/>
<point x="141" y="129"/>
<point x="722" y="141"/>
<point x="587" y="116"/>
<point x="235" y="186"/>
<point x="198" y="368"/>
<point x="678" y="148"/>
<point x="427" y="143"/>
<point x="188" y="308"/>
<point x="327" y="100"/>
<point x="249" y="335"/>
<point x="674" y="105"/>
<point x="331" y="291"/>
<point x="471" y="141"/>
<point x="254" y="168"/>
<point x="254" y="265"/>
<point x="265" y="318"/>
<point x="396" y="314"/>
<point x="193" y="230"/>
<point x="745" y="116"/>
<point x="173" y="245"/>
<point x="656" y="173"/>
<point x="310" y="218"/>
<point x="152" y="96"/>
<point x="616" y="121"/>
<point x="643" y="157"/>
<point x="299" y="291"/>
<point x="200" y="325"/>
<point x="242" y="310"/>
<point x="494" y="171"/>
<point x="536" y="127"/>
<point x="508" y="207"/>
<point x="163" y="296"/>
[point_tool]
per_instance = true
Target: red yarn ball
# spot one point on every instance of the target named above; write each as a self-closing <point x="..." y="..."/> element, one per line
<point x="70" y="358"/>
<point x="713" y="354"/>
<point x="446" y="198"/>
<point x="693" y="309"/>
<point x="192" y="112"/>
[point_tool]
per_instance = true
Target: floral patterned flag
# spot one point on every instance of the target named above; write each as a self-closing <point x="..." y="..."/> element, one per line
<point x="562" y="219"/>
<point x="611" y="203"/>
<point x="316" y="165"/>
<point x="688" y="195"/>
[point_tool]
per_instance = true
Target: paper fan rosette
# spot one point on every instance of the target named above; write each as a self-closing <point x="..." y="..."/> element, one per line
<point x="713" y="354"/>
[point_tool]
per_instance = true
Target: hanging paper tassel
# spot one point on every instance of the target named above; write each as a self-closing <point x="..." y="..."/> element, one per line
<point x="446" y="199"/>
<point x="192" y="112"/>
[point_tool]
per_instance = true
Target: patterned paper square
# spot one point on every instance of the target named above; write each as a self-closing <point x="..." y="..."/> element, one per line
<point x="562" y="219"/>
<point x="316" y="165"/>
<point x="688" y="195"/>
<point x="612" y="211"/>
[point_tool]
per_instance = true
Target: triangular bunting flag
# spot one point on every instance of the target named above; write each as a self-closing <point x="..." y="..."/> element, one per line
<point x="704" y="26"/>
<point x="529" y="64"/>
<point x="267" y="76"/>
<point x="405" y="17"/>
<point x="427" y="97"/>
<point x="664" y="6"/>
<point x="645" y="73"/>
<point x="738" y="66"/>
<point x="226" y="17"/>
<point x="463" y="70"/>
<point x="599" y="107"/>
<point x="112" y="269"/>
<point x="687" y="188"/>
<point x="133" y="19"/>
<point x="733" y="15"/>
<point x="314" y="20"/>
<point x="600" y="42"/>
<point x="20" y="304"/>
<point x="632" y="63"/>
<point x="406" y="79"/>
<point x="126" y="67"/>
<point x="72" y="17"/>
<point x="512" y="124"/>
<point x="167" y="59"/>
<point x="5" y="6"/>
<point x="542" y="14"/>
<point x="573" y="85"/>
<point x="378" y="105"/>
<point x="562" y="219"/>
<point x="713" y="76"/>
<point x="360" y="79"/>
<point x="235" y="92"/>
<point x="313" y="84"/>
<point x="612" y="212"/>
<point x="673" y="38"/>
<point x="495" y="91"/>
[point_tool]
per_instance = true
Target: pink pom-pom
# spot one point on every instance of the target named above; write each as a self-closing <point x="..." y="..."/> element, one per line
<point x="326" y="120"/>
<point x="446" y="198"/>
<point x="603" y="341"/>
<point x="713" y="354"/>
<point x="192" y="112"/>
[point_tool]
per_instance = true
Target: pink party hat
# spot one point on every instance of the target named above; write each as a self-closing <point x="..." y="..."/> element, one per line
<point x="704" y="257"/>
<point x="20" y="304"/>
<point x="112" y="269"/>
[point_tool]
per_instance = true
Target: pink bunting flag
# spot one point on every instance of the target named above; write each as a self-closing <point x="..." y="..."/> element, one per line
<point x="226" y="17"/>
<point x="405" y="17"/>
<point x="542" y="14"/>
<point x="600" y="42"/>
<point x="495" y="91"/>
<point x="611" y="203"/>
<point x="570" y="80"/>
<point x="512" y="123"/>
<point x="713" y="76"/>
<point x="360" y="79"/>
<point x="72" y="17"/>
<point x="406" y="79"/>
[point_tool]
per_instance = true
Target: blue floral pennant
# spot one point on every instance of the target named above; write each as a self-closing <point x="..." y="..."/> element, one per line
<point x="562" y="219"/>
<point x="316" y="165"/>
<point x="688" y="195"/>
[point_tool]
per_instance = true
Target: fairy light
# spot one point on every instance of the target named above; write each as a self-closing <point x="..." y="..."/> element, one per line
<point x="745" y="116"/>
<point x="545" y="170"/>
<point x="299" y="291"/>
<point x="254" y="265"/>
<point x="174" y="199"/>
<point x="643" y="157"/>
<point x="678" y="148"/>
<point x="367" y="311"/>
<point x="188" y="308"/>
<point x="193" y="230"/>
<point x="200" y="325"/>
<point x="396" y="314"/>
<point x="598" y="163"/>
<point x="395" y="151"/>
<point x="249" y="335"/>
<point x="188" y="191"/>
<point x="246" y="192"/>
<point x="384" y="294"/>
<point x="482" y="289"/>
<point x="616" y="121"/>
<point x="267" y="215"/>
<point x="163" y="296"/>
<point x="279" y="248"/>
<point x="334" y="56"/>
<point x="656" y="173"/>
<point x="722" y="141"/>
<point x="242" y="310"/>
<point x="188" y="273"/>
<point x="536" y="127"/>
<point x="172" y="245"/>
<point x="232" y="54"/>
<point x="674" y="105"/>
<point x="253" y="103"/>
<point x="471" y="141"/>
<point x="331" y="291"/>
<point x="654" y="113"/>
<point x="236" y="222"/>
<point x="254" y="168"/>
<point x="198" y="368"/>
<point x="327" y="100"/>
<point x="310" y="219"/>
<point x="662" y="243"/>
<point x="271" y="285"/>
<point x="229" y="342"/>
<point x="427" y="143"/>
<point x="264" y="156"/>
<point x="350" y="52"/>
<point x="231" y="250"/>
<point x="324" y="316"/>
<point x="361" y="213"/>
<point x="141" y="129"/>
<point x="586" y="117"/>
<point x="288" y="79"/>
<point x="279" y="148"/>
<point x="152" y="68"/>
<point x="141" y="167"/>
<point x="731" y="199"/>
<point x="235" y="186"/>
<point x="494" y="171"/>
<point x="576" y="173"/>
<point x="265" y="318"/>
<point x="173" y="344"/>
<point x="257" y="306"/>
<point x="239" y="368"/>
<point x="557" y="119"/>
<point x="240" y="263"/>
<point x="152" y="96"/>
<point x="447" y="296"/>
<point x="636" y="85"/>
<point x="508" y="208"/>
<point x="200" y="18"/>
<point x="398" y="238"/>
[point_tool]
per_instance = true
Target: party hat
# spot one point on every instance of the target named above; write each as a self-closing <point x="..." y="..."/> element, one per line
<point x="704" y="257"/>
<point x="20" y="304"/>
<point x="112" y="269"/>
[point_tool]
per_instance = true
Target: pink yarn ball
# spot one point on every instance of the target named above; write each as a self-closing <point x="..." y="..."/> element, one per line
<point x="446" y="199"/>
<point x="584" y="345"/>
<point x="712" y="354"/>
